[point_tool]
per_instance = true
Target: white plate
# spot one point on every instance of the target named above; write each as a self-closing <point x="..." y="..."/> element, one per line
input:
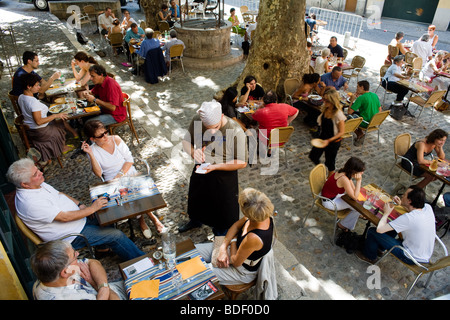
<point x="314" y="97"/>
<point x="318" y="143"/>
<point x="59" y="108"/>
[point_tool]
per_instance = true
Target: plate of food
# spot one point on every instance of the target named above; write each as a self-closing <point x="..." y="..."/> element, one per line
<point x="59" y="108"/>
<point x="60" y="100"/>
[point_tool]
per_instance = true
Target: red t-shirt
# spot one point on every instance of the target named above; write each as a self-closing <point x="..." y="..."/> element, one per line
<point x="110" y="91"/>
<point x="273" y="115"/>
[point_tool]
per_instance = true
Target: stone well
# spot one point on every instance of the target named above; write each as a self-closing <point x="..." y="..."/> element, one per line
<point x="206" y="45"/>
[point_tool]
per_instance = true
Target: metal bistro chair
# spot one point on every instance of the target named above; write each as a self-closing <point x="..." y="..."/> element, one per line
<point x="383" y="70"/>
<point x="402" y="144"/>
<point x="176" y="54"/>
<point x="432" y="101"/>
<point x="128" y="121"/>
<point x="27" y="232"/>
<point x="358" y="63"/>
<point x="350" y="126"/>
<point x="14" y="101"/>
<point x="163" y="26"/>
<point x="116" y="41"/>
<point x="374" y="125"/>
<point x="421" y="268"/>
<point x="278" y="137"/>
<point x="90" y="11"/>
<point x="393" y="51"/>
<point x="317" y="179"/>
<point x="409" y="57"/>
<point x="416" y="67"/>
<point x="345" y="51"/>
<point x="290" y="86"/>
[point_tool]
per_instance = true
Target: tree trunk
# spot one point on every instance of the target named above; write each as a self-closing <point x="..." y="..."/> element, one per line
<point x="278" y="50"/>
<point x="151" y="9"/>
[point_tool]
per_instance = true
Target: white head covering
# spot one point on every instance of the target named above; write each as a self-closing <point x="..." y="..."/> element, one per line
<point x="210" y="112"/>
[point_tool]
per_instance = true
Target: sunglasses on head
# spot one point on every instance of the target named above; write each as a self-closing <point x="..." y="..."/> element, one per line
<point x="102" y="135"/>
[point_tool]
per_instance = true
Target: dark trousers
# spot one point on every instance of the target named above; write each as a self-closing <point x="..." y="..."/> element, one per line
<point x="400" y="90"/>
<point x="330" y="155"/>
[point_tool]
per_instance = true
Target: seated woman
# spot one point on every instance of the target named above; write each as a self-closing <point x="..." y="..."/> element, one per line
<point x="250" y="91"/>
<point x="84" y="62"/>
<point x="433" y="37"/>
<point x="321" y="65"/>
<point x="127" y="21"/>
<point x="164" y="15"/>
<point x="394" y="74"/>
<point x="424" y="148"/>
<point x="46" y="135"/>
<point x="115" y="28"/>
<point x="432" y="68"/>
<point x="228" y="103"/>
<point x="310" y="82"/>
<point x="246" y="242"/>
<point x="235" y="23"/>
<point x="396" y="42"/>
<point x="332" y="125"/>
<point x="110" y="159"/>
<point x="340" y="183"/>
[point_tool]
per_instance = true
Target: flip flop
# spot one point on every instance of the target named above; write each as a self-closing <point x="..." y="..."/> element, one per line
<point x="71" y="148"/>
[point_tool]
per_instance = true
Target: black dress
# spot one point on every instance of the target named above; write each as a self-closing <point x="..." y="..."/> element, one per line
<point x="411" y="154"/>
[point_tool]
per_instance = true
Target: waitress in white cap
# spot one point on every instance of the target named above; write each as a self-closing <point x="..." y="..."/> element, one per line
<point x="219" y="141"/>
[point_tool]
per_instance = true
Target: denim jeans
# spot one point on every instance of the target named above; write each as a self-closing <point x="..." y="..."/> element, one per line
<point x="447" y="199"/>
<point x="105" y="118"/>
<point x="109" y="237"/>
<point x="384" y="241"/>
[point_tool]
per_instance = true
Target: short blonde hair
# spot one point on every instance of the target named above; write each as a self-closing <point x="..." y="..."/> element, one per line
<point x="334" y="98"/>
<point x="255" y="205"/>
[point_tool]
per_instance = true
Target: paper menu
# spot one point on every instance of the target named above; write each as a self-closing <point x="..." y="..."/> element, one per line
<point x="191" y="267"/>
<point x="138" y="267"/>
<point x="145" y="289"/>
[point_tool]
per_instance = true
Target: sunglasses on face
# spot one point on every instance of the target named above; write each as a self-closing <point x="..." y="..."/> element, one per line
<point x="102" y="135"/>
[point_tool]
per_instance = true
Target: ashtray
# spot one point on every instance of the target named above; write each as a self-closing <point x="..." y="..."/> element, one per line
<point x="157" y="255"/>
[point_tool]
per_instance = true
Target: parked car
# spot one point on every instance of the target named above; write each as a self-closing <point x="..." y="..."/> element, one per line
<point x="43" y="4"/>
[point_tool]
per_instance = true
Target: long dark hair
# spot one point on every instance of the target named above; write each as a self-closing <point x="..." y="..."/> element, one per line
<point x="83" y="56"/>
<point x="227" y="100"/>
<point x="352" y="166"/>
<point x="436" y="135"/>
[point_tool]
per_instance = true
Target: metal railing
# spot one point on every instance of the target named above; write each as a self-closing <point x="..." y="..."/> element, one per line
<point x="339" y="22"/>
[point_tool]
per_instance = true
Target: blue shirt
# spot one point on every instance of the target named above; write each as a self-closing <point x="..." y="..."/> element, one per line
<point x="131" y="35"/>
<point x="329" y="82"/>
<point x="172" y="11"/>
<point x="18" y="86"/>
<point x="147" y="45"/>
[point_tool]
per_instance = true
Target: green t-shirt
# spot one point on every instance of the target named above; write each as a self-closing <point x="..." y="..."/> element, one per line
<point x="367" y="105"/>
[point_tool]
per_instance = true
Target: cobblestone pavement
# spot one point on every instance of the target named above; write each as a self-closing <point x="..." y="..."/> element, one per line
<point x="308" y="266"/>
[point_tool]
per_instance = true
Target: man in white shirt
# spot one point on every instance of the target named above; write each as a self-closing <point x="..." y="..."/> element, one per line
<point x="62" y="276"/>
<point x="417" y="226"/>
<point x="173" y="40"/>
<point x="423" y="49"/>
<point x="105" y="21"/>
<point x="52" y="214"/>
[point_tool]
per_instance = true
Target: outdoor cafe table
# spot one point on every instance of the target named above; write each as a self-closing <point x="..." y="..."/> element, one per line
<point x="375" y="213"/>
<point x="184" y="249"/>
<point x="62" y="89"/>
<point x="128" y="198"/>
<point x="444" y="177"/>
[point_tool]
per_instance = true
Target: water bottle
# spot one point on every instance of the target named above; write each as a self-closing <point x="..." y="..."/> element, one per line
<point x="169" y="246"/>
<point x="62" y="79"/>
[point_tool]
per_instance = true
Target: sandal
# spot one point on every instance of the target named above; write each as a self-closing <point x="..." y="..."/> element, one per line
<point x="70" y="147"/>
<point x="342" y="227"/>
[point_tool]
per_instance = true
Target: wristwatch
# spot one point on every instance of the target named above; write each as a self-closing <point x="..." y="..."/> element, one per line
<point x="95" y="101"/>
<point x="233" y="240"/>
<point x="80" y="204"/>
<point x="104" y="284"/>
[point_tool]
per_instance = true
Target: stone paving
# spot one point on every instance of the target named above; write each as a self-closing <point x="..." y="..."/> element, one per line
<point x="308" y="266"/>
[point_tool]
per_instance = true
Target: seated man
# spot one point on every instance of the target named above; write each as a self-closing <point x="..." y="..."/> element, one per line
<point x="105" y="21"/>
<point x="148" y="44"/>
<point x="31" y="63"/>
<point x="106" y="94"/>
<point x="335" y="48"/>
<point x="136" y="34"/>
<point x="52" y="214"/>
<point x="61" y="276"/>
<point x="366" y="106"/>
<point x="250" y="91"/>
<point x="392" y="76"/>
<point x="334" y="79"/>
<point x="423" y="49"/>
<point x="173" y="40"/>
<point x="174" y="10"/>
<point x="417" y="226"/>
<point x="273" y="115"/>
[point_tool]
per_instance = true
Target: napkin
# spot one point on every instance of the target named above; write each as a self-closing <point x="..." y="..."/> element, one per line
<point x="191" y="267"/>
<point x="145" y="289"/>
<point x="92" y="109"/>
<point x="361" y="197"/>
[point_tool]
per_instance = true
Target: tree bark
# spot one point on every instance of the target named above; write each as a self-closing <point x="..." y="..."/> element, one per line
<point x="278" y="50"/>
<point x="151" y="9"/>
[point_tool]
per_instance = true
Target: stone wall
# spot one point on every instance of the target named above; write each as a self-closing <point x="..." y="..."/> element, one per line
<point x="59" y="8"/>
